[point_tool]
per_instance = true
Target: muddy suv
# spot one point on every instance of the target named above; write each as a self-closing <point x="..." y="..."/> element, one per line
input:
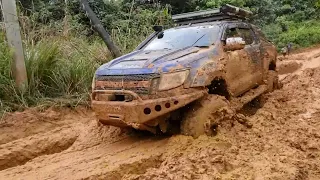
<point x="209" y="60"/>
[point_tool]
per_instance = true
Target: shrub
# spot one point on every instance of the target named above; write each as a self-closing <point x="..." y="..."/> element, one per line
<point x="301" y="34"/>
<point x="58" y="72"/>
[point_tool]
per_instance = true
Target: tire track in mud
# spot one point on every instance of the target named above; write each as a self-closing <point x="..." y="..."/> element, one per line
<point x="19" y="125"/>
<point x="86" y="150"/>
<point x="102" y="161"/>
<point x="21" y="151"/>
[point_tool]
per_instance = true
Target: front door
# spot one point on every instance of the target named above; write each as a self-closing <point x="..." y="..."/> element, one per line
<point x="242" y="72"/>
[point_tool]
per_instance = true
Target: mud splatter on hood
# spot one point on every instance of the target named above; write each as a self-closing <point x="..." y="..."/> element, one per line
<point x="145" y="62"/>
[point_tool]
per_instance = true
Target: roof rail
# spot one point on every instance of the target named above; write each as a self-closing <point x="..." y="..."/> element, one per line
<point x="225" y="12"/>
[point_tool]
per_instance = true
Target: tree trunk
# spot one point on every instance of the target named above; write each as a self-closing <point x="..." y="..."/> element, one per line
<point x="100" y="29"/>
<point x="66" y="27"/>
<point x="10" y="15"/>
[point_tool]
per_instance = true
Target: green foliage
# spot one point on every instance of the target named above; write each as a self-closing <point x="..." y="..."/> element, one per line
<point x="127" y="22"/>
<point x="5" y="71"/>
<point x="302" y="34"/>
<point x="56" y="70"/>
<point x="133" y="29"/>
<point x="219" y="3"/>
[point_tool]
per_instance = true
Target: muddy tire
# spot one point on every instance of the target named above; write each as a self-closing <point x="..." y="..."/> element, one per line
<point x="273" y="81"/>
<point x="200" y="117"/>
<point x="259" y="101"/>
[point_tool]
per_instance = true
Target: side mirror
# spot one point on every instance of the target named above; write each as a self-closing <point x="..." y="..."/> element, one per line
<point x="160" y="35"/>
<point x="234" y="43"/>
<point x="157" y="28"/>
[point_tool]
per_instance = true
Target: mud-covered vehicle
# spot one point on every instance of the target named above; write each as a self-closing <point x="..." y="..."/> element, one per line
<point x="209" y="60"/>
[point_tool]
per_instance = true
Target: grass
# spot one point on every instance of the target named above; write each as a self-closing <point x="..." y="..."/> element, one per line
<point x="59" y="72"/>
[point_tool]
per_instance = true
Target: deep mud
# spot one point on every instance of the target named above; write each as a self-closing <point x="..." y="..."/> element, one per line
<point x="289" y="67"/>
<point x="283" y="143"/>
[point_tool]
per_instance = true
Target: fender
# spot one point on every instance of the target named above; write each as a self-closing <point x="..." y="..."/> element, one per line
<point x="212" y="67"/>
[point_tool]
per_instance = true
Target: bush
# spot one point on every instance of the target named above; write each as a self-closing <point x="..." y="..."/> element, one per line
<point x="6" y="81"/>
<point x="301" y="34"/>
<point x="59" y="72"/>
<point x="127" y="23"/>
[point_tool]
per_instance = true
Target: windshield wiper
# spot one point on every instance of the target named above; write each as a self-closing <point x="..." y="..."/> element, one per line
<point x="198" y="40"/>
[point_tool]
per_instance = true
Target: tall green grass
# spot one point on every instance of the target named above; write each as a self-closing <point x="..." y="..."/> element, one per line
<point x="59" y="73"/>
<point x="6" y="81"/>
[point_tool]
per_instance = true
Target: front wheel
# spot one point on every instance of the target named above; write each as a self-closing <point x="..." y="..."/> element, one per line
<point x="202" y="117"/>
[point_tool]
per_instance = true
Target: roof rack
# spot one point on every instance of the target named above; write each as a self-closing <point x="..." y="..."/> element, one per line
<point x="226" y="12"/>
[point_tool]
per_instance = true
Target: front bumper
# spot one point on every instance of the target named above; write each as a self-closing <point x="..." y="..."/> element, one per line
<point x="137" y="113"/>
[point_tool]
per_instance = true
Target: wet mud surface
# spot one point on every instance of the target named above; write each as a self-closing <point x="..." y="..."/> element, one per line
<point x="283" y="142"/>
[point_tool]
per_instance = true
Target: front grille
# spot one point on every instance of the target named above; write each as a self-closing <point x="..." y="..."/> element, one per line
<point x="140" y="84"/>
<point x="138" y="77"/>
<point x="138" y="90"/>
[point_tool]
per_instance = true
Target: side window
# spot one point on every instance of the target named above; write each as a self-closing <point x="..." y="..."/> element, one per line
<point x="247" y="35"/>
<point x="232" y="32"/>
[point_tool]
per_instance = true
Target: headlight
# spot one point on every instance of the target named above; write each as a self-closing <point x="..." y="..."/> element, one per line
<point x="172" y="80"/>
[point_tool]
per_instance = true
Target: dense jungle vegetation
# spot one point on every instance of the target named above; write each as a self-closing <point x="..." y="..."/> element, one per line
<point x="62" y="50"/>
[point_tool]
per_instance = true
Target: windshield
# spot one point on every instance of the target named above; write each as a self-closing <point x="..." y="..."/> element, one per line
<point x="200" y="36"/>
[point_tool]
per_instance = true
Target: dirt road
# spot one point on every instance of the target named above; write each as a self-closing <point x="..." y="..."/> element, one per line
<point x="284" y="142"/>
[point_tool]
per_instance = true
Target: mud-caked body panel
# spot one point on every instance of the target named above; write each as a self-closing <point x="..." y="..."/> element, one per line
<point x="143" y="88"/>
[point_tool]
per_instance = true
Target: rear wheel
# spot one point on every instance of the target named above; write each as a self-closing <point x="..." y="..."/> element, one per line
<point x="273" y="81"/>
<point x="203" y="116"/>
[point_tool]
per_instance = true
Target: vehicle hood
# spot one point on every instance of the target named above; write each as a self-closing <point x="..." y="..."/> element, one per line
<point x="157" y="61"/>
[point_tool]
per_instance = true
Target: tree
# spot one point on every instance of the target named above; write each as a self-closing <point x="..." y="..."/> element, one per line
<point x="100" y="29"/>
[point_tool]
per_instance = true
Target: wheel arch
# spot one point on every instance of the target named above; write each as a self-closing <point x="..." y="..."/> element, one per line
<point x="272" y="65"/>
<point x="219" y="86"/>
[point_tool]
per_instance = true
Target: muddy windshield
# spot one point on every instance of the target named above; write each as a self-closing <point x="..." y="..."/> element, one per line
<point x="201" y="36"/>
